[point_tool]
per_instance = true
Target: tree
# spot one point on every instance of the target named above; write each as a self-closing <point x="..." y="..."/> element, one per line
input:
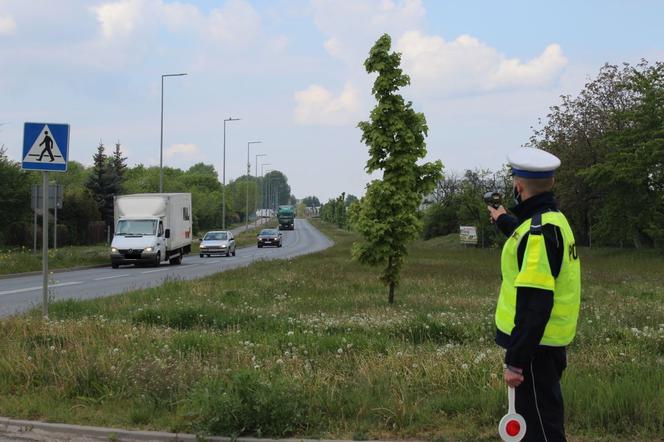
<point x="15" y="195"/>
<point x="609" y="140"/>
<point x="118" y="165"/>
<point x="311" y="201"/>
<point x="103" y="184"/>
<point x="387" y="216"/>
<point x="279" y="190"/>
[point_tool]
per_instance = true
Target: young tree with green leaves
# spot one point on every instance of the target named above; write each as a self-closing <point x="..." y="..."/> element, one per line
<point x="387" y="215"/>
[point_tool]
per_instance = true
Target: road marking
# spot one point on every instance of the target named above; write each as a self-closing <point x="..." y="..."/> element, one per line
<point x="111" y="277"/>
<point x="154" y="271"/>
<point x="29" y="289"/>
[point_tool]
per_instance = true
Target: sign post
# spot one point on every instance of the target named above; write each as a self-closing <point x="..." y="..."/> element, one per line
<point x="512" y="426"/>
<point x="45" y="148"/>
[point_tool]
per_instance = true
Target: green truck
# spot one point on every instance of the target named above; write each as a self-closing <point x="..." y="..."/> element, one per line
<point x="286" y="217"/>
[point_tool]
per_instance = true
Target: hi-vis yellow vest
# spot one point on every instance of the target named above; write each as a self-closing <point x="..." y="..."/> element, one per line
<point x="535" y="272"/>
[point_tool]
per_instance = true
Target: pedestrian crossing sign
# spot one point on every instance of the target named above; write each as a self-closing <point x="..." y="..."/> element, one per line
<point x="45" y="147"/>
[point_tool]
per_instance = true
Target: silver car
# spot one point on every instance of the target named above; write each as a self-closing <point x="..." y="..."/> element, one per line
<point x="218" y="242"/>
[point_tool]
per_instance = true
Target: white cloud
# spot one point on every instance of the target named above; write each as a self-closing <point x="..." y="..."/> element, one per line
<point x="317" y="105"/>
<point x="185" y="150"/>
<point x="353" y="26"/>
<point x="180" y="16"/>
<point x="7" y="25"/>
<point x="236" y="22"/>
<point x="120" y="18"/>
<point x="466" y="65"/>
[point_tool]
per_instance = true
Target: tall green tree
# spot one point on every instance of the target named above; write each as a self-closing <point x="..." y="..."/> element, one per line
<point x="609" y="140"/>
<point x="387" y="216"/>
<point x="311" y="201"/>
<point x="15" y="195"/>
<point x="119" y="165"/>
<point x="103" y="184"/>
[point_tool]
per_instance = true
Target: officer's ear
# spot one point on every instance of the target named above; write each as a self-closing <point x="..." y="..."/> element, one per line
<point x="518" y="183"/>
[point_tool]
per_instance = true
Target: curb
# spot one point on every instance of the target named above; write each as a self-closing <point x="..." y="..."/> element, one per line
<point x="42" y="431"/>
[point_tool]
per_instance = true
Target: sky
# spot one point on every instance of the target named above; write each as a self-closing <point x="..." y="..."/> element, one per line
<point x="483" y="73"/>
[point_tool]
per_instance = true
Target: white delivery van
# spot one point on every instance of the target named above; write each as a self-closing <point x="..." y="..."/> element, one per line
<point x="151" y="228"/>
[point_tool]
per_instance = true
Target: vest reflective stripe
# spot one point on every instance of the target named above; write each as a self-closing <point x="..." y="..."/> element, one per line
<point x="536" y="273"/>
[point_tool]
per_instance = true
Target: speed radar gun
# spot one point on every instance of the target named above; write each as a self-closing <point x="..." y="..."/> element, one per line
<point x="493" y="199"/>
<point x="512" y="426"/>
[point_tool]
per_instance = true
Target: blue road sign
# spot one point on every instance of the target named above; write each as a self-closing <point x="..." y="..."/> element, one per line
<point x="45" y="147"/>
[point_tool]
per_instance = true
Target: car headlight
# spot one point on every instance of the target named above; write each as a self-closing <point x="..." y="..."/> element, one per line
<point x="203" y="246"/>
<point x="148" y="249"/>
<point x="114" y="250"/>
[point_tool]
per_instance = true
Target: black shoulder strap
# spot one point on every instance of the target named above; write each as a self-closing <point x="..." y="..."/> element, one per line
<point x="536" y="224"/>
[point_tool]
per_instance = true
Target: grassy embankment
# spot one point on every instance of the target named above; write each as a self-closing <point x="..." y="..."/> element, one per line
<point x="310" y="348"/>
<point x="23" y="260"/>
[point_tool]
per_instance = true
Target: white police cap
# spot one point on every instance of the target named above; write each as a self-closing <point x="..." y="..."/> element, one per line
<point x="529" y="162"/>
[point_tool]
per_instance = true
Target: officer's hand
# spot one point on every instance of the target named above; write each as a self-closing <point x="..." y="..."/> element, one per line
<point x="496" y="213"/>
<point x="512" y="379"/>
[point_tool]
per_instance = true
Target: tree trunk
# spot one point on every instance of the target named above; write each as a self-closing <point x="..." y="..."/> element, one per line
<point x="390" y="297"/>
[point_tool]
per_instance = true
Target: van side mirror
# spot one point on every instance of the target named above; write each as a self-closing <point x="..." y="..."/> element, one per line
<point x="167" y="233"/>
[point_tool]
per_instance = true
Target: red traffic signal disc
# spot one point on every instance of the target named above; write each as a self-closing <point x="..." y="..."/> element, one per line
<point x="513" y="427"/>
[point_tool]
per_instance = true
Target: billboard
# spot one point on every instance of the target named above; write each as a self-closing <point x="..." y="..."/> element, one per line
<point x="468" y="235"/>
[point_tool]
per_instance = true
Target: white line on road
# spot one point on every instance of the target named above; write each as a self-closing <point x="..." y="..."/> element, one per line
<point x="29" y="289"/>
<point x="111" y="277"/>
<point x="155" y="271"/>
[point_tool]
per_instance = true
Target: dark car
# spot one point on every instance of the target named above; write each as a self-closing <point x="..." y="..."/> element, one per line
<point x="269" y="237"/>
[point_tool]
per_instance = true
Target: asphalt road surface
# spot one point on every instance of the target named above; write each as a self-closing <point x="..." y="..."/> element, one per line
<point x="24" y="292"/>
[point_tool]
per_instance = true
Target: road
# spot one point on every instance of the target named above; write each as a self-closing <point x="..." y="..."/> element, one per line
<point x="24" y="292"/>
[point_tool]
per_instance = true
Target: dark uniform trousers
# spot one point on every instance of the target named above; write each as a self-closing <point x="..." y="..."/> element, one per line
<point x="539" y="398"/>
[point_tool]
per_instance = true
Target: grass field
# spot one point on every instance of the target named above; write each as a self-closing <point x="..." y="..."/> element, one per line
<point x="20" y="260"/>
<point x="23" y="260"/>
<point x="310" y="348"/>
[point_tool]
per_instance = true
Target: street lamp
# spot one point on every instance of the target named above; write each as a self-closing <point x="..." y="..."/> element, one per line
<point x="256" y="200"/>
<point x="161" y="139"/>
<point x="246" y="207"/>
<point x="223" y="189"/>
<point x="264" y="185"/>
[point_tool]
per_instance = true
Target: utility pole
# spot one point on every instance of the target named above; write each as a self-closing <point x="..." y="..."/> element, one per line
<point x="246" y="207"/>
<point x="223" y="189"/>
<point x="256" y="200"/>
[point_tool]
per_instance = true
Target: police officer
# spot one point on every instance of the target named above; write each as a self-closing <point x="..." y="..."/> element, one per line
<point x="539" y="299"/>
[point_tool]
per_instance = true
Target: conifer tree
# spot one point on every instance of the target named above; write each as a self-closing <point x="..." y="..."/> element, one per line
<point x="119" y="165"/>
<point x="103" y="184"/>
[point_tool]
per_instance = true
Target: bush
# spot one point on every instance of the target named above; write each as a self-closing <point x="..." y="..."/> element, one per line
<point x="20" y="234"/>
<point x="249" y="403"/>
<point x="440" y="221"/>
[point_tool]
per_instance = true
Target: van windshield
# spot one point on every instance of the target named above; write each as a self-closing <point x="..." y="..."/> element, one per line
<point x="136" y="227"/>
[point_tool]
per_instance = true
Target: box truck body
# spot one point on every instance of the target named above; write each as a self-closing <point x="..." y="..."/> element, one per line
<point x="151" y="228"/>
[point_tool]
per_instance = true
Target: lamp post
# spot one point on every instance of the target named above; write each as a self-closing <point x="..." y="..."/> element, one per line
<point x="223" y="189"/>
<point x="246" y="207"/>
<point x="256" y="200"/>
<point x="265" y="201"/>
<point x="161" y="138"/>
